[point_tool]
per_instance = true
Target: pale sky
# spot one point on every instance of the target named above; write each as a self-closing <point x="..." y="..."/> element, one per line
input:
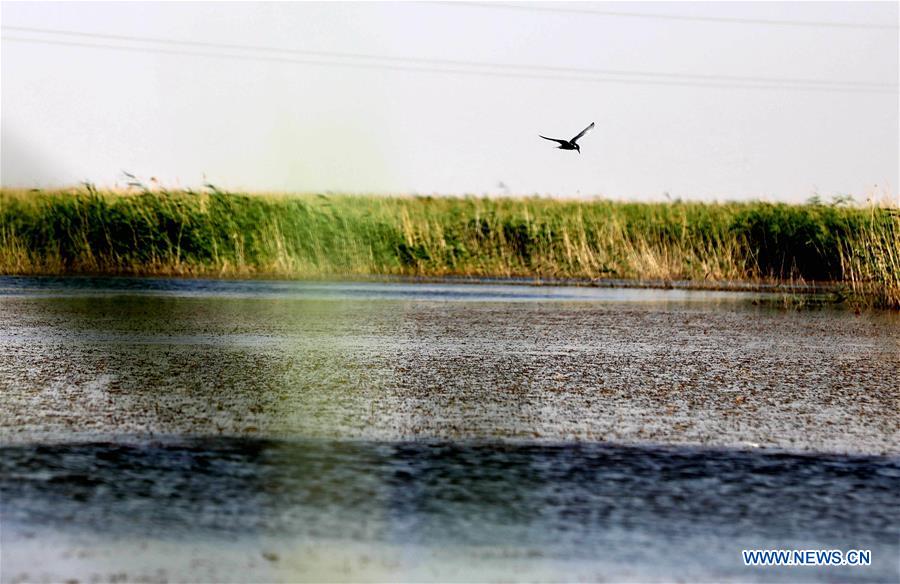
<point x="75" y="113"/>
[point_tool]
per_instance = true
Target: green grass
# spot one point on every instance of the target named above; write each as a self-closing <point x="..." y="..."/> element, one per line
<point x="226" y="234"/>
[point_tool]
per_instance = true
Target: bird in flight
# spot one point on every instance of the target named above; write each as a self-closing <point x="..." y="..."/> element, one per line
<point x="570" y="144"/>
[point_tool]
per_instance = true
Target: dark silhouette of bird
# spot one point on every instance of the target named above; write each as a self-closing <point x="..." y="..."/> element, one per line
<point x="570" y="144"/>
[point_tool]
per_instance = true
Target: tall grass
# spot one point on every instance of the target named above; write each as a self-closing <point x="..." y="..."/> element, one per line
<point x="870" y="258"/>
<point x="225" y="234"/>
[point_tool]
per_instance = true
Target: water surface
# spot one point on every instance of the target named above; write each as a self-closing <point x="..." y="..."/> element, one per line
<point x="441" y="510"/>
<point x="281" y="431"/>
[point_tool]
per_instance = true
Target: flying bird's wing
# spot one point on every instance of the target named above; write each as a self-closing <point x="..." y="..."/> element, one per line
<point x="583" y="132"/>
<point x="553" y="139"/>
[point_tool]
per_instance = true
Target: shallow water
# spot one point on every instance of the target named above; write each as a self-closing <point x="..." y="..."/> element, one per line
<point x="488" y="291"/>
<point x="600" y="509"/>
<point x="205" y="430"/>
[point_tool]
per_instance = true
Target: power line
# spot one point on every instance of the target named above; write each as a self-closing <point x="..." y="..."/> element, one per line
<point x="491" y="74"/>
<point x="452" y="62"/>
<point x="711" y="19"/>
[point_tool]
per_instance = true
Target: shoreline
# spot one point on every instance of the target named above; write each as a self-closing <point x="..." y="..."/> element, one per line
<point x="846" y="251"/>
<point x="537" y="281"/>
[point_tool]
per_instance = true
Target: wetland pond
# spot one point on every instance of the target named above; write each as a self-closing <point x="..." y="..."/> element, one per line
<point x="253" y="431"/>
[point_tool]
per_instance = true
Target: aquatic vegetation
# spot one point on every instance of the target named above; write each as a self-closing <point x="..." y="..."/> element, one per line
<point x="215" y="233"/>
<point x="870" y="258"/>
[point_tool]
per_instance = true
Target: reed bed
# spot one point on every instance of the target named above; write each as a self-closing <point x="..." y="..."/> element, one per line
<point x="221" y="234"/>
<point x="870" y="258"/>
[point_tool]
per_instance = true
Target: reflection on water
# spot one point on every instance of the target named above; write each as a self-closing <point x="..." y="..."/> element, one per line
<point x="478" y="292"/>
<point x="587" y="502"/>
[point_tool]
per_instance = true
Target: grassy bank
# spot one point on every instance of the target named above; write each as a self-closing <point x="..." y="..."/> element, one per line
<point x="224" y="234"/>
